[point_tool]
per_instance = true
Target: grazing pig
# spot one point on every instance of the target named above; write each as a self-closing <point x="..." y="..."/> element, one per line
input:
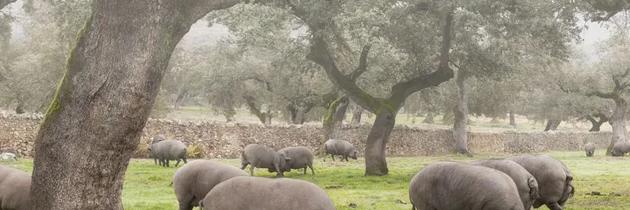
<point x="301" y="157"/>
<point x="340" y="147"/>
<point x="456" y="186"/>
<point x="554" y="179"/>
<point x="526" y="184"/>
<point x="156" y="139"/>
<point x="15" y="188"/>
<point x="194" y="180"/>
<point x="621" y="148"/>
<point x="168" y="150"/>
<point x="245" y="192"/>
<point x="589" y="148"/>
<point x="259" y="156"/>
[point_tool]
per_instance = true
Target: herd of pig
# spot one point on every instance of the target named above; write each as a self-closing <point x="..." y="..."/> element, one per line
<point x="515" y="183"/>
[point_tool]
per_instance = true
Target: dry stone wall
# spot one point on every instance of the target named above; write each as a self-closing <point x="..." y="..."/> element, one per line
<point x="217" y="140"/>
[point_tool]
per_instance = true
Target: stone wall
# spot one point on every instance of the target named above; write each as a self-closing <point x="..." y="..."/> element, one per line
<point x="226" y="140"/>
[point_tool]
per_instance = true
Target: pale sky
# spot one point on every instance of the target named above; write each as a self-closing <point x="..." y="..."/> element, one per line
<point x="201" y="35"/>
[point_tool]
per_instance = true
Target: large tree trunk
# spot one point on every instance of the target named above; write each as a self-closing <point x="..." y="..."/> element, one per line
<point x="512" y="119"/>
<point x="95" y="120"/>
<point x="461" y="116"/>
<point x="552" y="124"/>
<point x="297" y="114"/>
<point x="618" y="121"/>
<point x="263" y="116"/>
<point x="429" y="118"/>
<point x="596" y="124"/>
<point x="375" y="151"/>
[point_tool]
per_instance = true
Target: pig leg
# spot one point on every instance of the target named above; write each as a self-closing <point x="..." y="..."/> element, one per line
<point x="280" y="174"/>
<point x="185" y="161"/>
<point x="243" y="165"/>
<point x="332" y="156"/>
<point x="251" y="170"/>
<point x="177" y="163"/>
<point x="186" y="203"/>
<point x="554" y="206"/>
<point x="305" y="170"/>
<point x="310" y="165"/>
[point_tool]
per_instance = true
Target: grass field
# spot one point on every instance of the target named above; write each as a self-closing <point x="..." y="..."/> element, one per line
<point x="147" y="186"/>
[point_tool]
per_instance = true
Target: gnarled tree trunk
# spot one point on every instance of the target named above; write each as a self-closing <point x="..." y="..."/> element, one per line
<point x="357" y="112"/>
<point x="335" y="115"/>
<point x="263" y="116"/>
<point x="461" y="115"/>
<point x="375" y="149"/>
<point x="95" y="120"/>
<point x="384" y="108"/>
<point x="181" y="95"/>
<point x="512" y="119"/>
<point x="596" y="124"/>
<point x="552" y="124"/>
<point x="429" y="118"/>
<point x="618" y="123"/>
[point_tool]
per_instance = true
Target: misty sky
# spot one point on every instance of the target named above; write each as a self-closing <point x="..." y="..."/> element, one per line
<point x="201" y="35"/>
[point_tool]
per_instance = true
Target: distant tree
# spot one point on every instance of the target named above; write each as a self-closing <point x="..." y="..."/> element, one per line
<point x="611" y="81"/>
<point x="35" y="63"/>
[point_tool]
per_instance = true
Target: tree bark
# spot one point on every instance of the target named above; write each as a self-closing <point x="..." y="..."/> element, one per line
<point x="334" y="117"/>
<point x="297" y="113"/>
<point x="95" y="120"/>
<point x="375" y="151"/>
<point x="263" y="117"/>
<point x="180" y="99"/>
<point x="552" y="124"/>
<point x="596" y="124"/>
<point x="429" y="118"/>
<point x="512" y="119"/>
<point x="618" y="121"/>
<point x="357" y="112"/>
<point x="4" y="3"/>
<point x="460" y="111"/>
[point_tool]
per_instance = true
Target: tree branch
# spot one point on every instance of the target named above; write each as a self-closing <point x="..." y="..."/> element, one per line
<point x="618" y="78"/>
<point x="402" y="90"/>
<point x="320" y="55"/>
<point x="362" y="63"/>
<point x="611" y="8"/>
<point x="600" y="94"/>
<point x="4" y="3"/>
